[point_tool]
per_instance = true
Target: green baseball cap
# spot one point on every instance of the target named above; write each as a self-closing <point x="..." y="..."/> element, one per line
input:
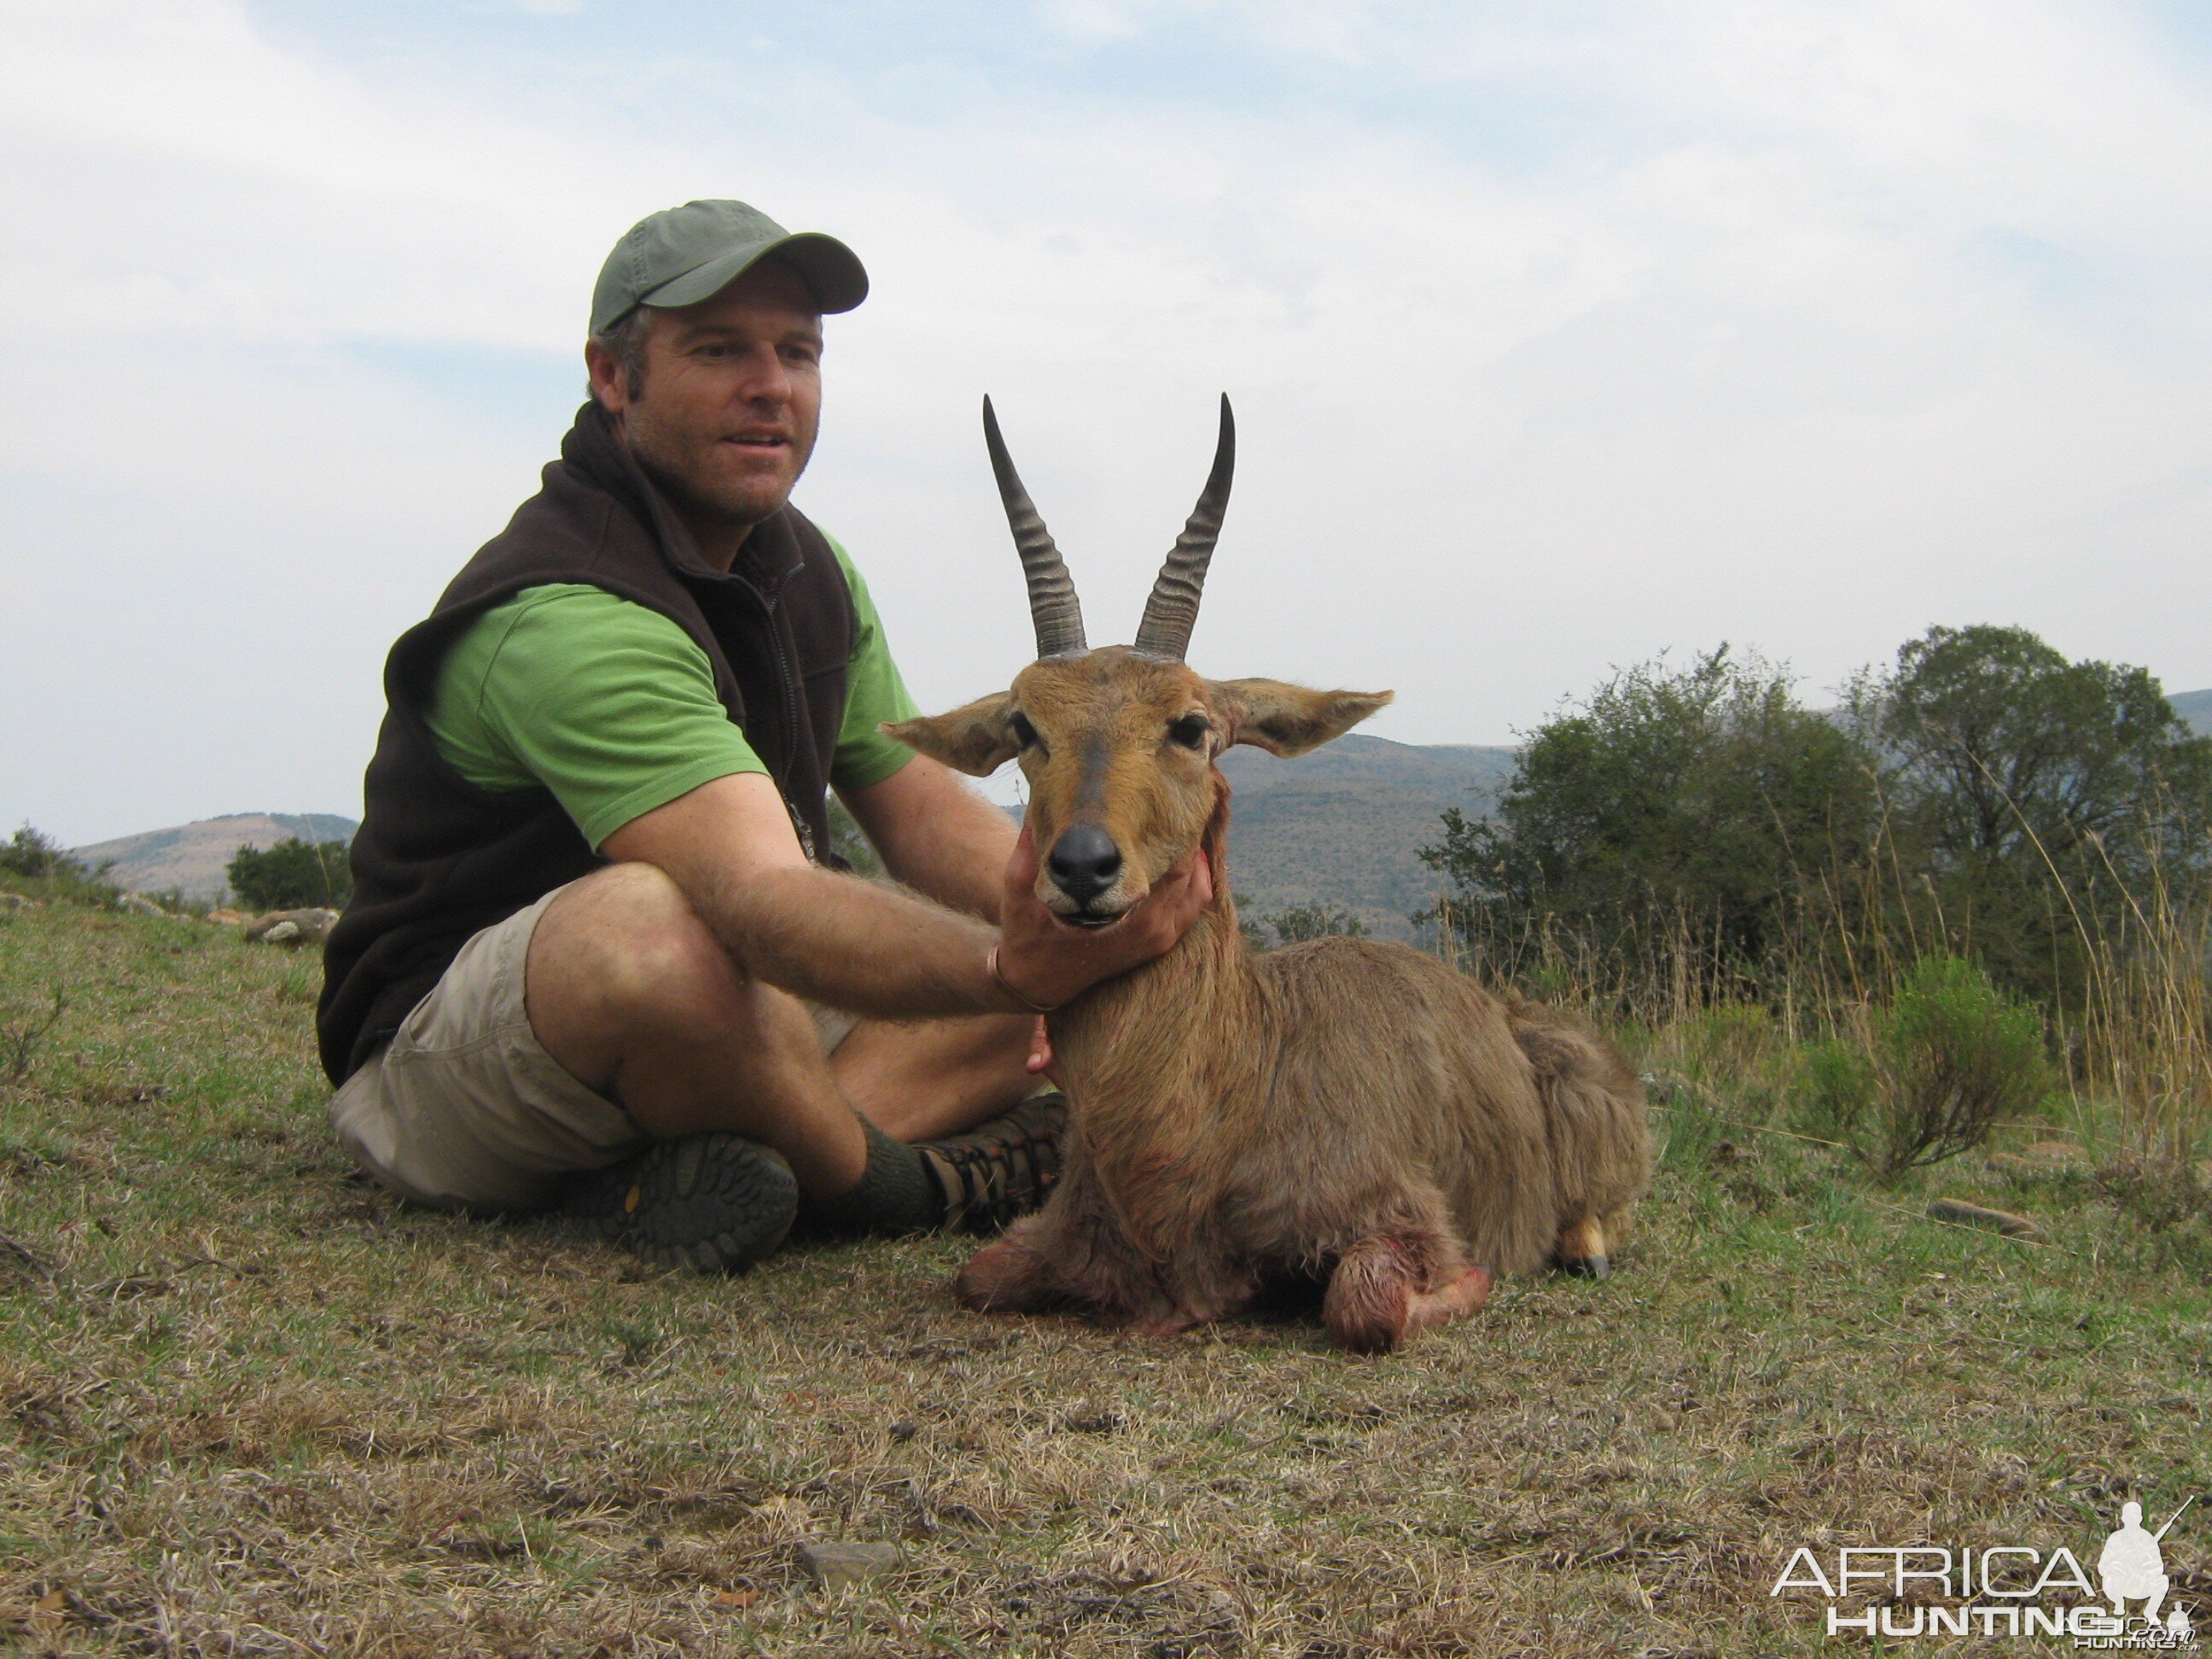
<point x="682" y="255"/>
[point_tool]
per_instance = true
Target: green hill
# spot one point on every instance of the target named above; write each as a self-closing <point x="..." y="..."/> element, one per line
<point x="1345" y="825"/>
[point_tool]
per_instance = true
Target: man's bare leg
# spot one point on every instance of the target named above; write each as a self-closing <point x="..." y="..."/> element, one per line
<point x="634" y="996"/>
<point x="935" y="1077"/>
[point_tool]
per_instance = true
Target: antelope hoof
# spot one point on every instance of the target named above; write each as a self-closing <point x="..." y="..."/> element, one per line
<point x="1369" y="1296"/>
<point x="1582" y="1250"/>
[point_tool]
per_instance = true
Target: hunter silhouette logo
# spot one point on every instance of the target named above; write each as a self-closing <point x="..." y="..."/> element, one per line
<point x="2004" y="1589"/>
<point x="2132" y="1565"/>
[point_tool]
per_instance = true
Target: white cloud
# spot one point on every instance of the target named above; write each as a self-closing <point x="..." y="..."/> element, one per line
<point x="1767" y="354"/>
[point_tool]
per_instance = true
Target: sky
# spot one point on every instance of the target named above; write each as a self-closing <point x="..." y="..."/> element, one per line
<point x="1559" y="338"/>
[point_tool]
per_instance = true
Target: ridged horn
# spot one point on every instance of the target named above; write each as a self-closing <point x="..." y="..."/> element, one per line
<point x="1053" y="606"/>
<point x="1172" y="610"/>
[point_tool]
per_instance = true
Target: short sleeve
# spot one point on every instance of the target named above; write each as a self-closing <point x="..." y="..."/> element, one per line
<point x="608" y="704"/>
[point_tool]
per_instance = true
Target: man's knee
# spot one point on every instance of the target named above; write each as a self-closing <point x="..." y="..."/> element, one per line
<point x="624" y="948"/>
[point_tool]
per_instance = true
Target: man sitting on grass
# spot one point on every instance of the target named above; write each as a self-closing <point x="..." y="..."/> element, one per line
<point x="597" y="952"/>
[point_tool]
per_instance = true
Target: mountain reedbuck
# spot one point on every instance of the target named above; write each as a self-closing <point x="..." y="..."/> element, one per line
<point x="1341" y="1110"/>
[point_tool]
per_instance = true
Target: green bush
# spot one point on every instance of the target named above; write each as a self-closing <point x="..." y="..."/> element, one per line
<point x="292" y="875"/>
<point x="36" y="856"/>
<point x="1950" y="1057"/>
<point x="1958" y="1054"/>
<point x="1841" y="1087"/>
<point x="1699" y="832"/>
<point x="34" y="865"/>
<point x="2040" y="801"/>
<point x="1687" y="828"/>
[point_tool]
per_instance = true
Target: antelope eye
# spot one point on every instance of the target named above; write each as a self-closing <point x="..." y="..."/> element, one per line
<point x="1024" y="733"/>
<point x="1190" y="731"/>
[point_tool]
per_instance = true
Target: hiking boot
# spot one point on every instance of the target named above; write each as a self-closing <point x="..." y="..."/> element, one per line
<point x="1000" y="1170"/>
<point x="714" y="1203"/>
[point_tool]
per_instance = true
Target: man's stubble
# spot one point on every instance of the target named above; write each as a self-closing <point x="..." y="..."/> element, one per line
<point x="680" y="470"/>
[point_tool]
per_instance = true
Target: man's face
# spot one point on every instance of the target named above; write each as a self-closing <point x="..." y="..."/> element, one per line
<point x="727" y="415"/>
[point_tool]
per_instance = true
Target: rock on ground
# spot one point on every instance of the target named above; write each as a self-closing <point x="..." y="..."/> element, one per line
<point x="833" y="1566"/>
<point x="293" y="927"/>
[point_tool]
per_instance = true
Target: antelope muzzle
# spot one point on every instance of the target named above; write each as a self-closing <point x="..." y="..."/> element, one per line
<point x="1084" y="864"/>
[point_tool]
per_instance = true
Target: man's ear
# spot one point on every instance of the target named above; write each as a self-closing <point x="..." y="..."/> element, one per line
<point x="975" y="739"/>
<point x="610" y="381"/>
<point x="1289" y="719"/>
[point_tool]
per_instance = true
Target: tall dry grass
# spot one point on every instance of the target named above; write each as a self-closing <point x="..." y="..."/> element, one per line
<point x="2131" y="1036"/>
<point x="2141" y="1036"/>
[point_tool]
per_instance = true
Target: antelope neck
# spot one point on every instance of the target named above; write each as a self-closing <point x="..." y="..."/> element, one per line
<point x="1158" y="1064"/>
<point x="1147" y="1047"/>
<point x="1167" y="1007"/>
<point x="1156" y="1067"/>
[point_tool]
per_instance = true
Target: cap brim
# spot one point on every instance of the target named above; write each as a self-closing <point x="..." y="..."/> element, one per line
<point x="830" y="269"/>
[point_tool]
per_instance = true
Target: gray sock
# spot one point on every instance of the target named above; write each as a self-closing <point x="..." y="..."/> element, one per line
<point x="894" y="1193"/>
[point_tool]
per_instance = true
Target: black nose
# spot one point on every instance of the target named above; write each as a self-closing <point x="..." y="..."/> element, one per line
<point x="1084" y="862"/>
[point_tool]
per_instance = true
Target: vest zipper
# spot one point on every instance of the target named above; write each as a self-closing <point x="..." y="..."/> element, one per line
<point x="783" y="668"/>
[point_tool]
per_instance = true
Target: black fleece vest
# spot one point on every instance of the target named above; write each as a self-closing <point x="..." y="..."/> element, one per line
<point x="437" y="858"/>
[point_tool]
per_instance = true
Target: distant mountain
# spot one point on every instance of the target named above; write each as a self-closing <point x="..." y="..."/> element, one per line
<point x="1342" y="826"/>
<point x="191" y="857"/>
<point x="1345" y="825"/>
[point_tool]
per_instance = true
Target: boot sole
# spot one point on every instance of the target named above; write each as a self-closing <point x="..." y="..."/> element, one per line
<point x="709" y="1203"/>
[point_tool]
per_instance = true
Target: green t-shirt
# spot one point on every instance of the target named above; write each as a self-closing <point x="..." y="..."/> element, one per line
<point x="611" y="705"/>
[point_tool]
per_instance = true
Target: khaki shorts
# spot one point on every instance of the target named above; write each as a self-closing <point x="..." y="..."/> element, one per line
<point x="463" y="1109"/>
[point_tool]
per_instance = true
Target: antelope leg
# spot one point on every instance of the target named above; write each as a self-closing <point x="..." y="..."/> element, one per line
<point x="1380" y="1294"/>
<point x="1457" y="1299"/>
<point x="1004" y="1276"/>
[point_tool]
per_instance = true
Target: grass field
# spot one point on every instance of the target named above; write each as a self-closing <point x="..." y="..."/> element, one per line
<point x="248" y="1404"/>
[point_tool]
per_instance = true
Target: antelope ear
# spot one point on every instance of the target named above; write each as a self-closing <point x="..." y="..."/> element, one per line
<point x="1290" y="719"/>
<point x="975" y="739"/>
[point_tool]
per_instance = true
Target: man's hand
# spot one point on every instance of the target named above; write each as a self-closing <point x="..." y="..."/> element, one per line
<point x="1050" y="962"/>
